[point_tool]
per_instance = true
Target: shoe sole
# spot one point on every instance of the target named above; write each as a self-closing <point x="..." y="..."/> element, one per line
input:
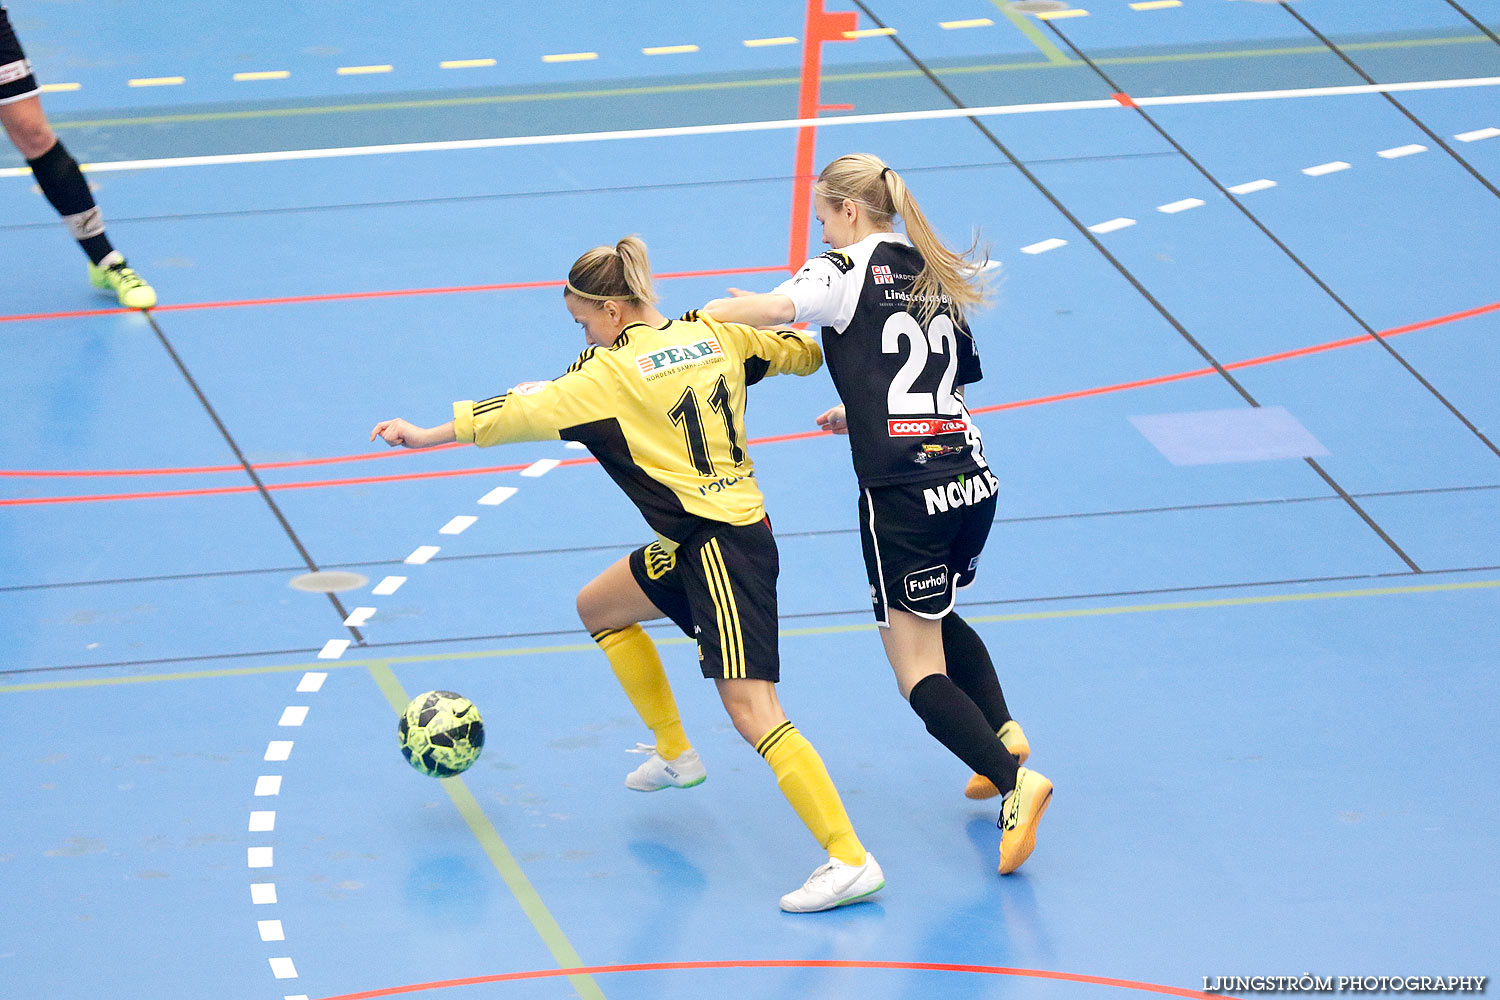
<point x="842" y="902"/>
<point x="1028" y="841"/>
<point x="691" y="784"/>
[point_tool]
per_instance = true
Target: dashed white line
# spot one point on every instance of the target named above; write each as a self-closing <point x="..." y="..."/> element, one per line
<point x="333" y="649"/>
<point x="561" y="57"/>
<point x="1331" y="167"/>
<point x="388" y="586"/>
<point x="668" y="50"/>
<point x="1173" y="207"/>
<point x="270" y="930"/>
<point x="1042" y="247"/>
<point x="973" y="22"/>
<point x="158" y="81"/>
<point x="498" y="496"/>
<point x="278" y="750"/>
<point x="259" y="857"/>
<point x="357" y="618"/>
<point x="1397" y="152"/>
<point x="759" y="43"/>
<point x="422" y="553"/>
<point x="273" y="74"/>
<point x="293" y="715"/>
<point x="1111" y="225"/>
<point x="1058" y="15"/>
<point x="312" y="681"/>
<point x="57" y="88"/>
<point x="869" y="33"/>
<point x="1250" y="187"/>
<point x="282" y="968"/>
<point x="540" y="467"/>
<point x="465" y="63"/>
<point x="262" y="893"/>
<point x="268" y="784"/>
<point x="1476" y="135"/>
<point x="458" y="525"/>
<point x="363" y="70"/>
<point x="262" y="821"/>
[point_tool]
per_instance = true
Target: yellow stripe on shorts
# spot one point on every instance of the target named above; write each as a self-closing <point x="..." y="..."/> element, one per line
<point x="731" y="643"/>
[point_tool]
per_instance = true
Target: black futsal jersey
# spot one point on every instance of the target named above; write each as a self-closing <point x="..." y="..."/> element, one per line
<point x="900" y="381"/>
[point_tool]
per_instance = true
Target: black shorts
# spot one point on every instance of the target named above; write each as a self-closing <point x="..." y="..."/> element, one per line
<point x="16" y="81"/>
<point x="922" y="541"/>
<point x="720" y="589"/>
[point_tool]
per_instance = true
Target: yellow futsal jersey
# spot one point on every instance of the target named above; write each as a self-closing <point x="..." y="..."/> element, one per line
<point x="663" y="410"/>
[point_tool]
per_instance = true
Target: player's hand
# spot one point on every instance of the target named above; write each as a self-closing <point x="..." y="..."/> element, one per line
<point x="834" y="420"/>
<point x="398" y="433"/>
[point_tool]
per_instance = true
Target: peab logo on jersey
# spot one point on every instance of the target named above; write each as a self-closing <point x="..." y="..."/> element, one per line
<point x="671" y="359"/>
<point x="925" y="427"/>
<point x="882" y="274"/>
<point x="925" y="583"/>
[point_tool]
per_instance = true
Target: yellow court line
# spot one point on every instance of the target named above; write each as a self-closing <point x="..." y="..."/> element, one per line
<point x="869" y="32"/>
<point x="363" y="70"/>
<point x="668" y="50"/>
<point x="670" y="640"/>
<point x="1058" y="15"/>
<point x="1156" y="4"/>
<point x="505" y="863"/>
<point x="1035" y="35"/>
<point x="757" y="43"/>
<point x="158" y="81"/>
<point x="973" y="22"/>
<point x="561" y="57"/>
<point x="55" y="88"/>
<point x="270" y="74"/>
<point x="465" y="63"/>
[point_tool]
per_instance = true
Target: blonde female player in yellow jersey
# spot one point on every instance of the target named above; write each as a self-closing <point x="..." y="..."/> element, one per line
<point x="893" y="312"/>
<point x="661" y="403"/>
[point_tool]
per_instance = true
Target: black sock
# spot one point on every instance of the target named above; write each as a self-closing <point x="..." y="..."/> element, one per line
<point x="62" y="182"/>
<point x="959" y="725"/>
<point x="970" y="668"/>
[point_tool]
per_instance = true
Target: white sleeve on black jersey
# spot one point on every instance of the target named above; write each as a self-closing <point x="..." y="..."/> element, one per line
<point x="825" y="291"/>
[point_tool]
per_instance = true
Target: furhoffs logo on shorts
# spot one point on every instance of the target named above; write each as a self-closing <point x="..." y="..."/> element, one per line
<point x="925" y="583"/>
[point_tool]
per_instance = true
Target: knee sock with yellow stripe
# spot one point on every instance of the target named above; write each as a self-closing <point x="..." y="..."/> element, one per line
<point x="804" y="781"/>
<point x="632" y="656"/>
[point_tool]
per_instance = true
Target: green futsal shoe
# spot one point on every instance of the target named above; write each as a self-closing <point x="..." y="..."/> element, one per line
<point x="129" y="287"/>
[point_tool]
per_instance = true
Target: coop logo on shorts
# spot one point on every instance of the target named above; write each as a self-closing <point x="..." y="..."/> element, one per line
<point x="670" y="359"/>
<point x="925" y="583"/>
<point x="882" y="274"/>
<point x="925" y="427"/>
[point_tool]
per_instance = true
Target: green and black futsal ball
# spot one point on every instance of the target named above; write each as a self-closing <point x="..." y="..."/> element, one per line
<point x="441" y="733"/>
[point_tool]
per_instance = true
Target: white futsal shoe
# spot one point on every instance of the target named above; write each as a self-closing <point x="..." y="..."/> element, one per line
<point x="836" y="884"/>
<point x="657" y="772"/>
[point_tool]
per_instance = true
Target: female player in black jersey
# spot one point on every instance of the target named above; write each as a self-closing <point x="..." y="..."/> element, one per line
<point x="892" y="311"/>
<point x="661" y="404"/>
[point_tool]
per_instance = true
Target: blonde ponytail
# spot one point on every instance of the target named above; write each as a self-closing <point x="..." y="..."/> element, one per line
<point x="865" y="180"/>
<point x="619" y="273"/>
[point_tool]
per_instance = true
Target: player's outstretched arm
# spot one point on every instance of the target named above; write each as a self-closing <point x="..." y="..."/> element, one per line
<point x="404" y="434"/>
<point x="753" y="309"/>
<point x="833" y="420"/>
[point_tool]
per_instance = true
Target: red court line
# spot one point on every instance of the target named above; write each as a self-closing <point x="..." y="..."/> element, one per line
<point x="595" y="970"/>
<point x="803" y="435"/>
<point x="389" y="294"/>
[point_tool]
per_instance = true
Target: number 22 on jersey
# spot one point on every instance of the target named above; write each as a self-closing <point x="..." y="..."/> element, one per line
<point x="940" y="340"/>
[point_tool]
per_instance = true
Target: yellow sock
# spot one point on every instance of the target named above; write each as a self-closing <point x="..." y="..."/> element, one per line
<point x="804" y="781"/>
<point x="632" y="656"/>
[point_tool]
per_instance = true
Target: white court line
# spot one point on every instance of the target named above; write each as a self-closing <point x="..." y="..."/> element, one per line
<point x="270" y="930"/>
<point x="262" y="821"/>
<point x="312" y="681"/>
<point x="259" y="857"/>
<point x="1397" y="152"/>
<point x="767" y="126"/>
<point x="278" y="750"/>
<point x="1249" y="187"/>
<point x="262" y="893"/>
<point x="293" y="715"/>
<point x="1477" y="134"/>
<point x="576" y="445"/>
<point x="333" y="649"/>
<point x="388" y="586"/>
<point x="1173" y="207"/>
<point x="458" y="525"/>
<point x="268" y="784"/>
<point x="1110" y="226"/>
<point x="357" y="618"/>
<point x="421" y="554"/>
<point x="498" y="496"/>
<point x="282" y="968"/>
<point x="1044" y="246"/>
<point x="1325" y="168"/>
<point x="540" y="467"/>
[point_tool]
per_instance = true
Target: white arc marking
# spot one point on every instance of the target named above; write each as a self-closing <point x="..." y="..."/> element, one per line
<point x="498" y="496"/>
<point x="1477" y="134"/>
<point x="262" y="893"/>
<point x="270" y="930"/>
<point x="1399" y="151"/>
<point x="388" y="586"/>
<point x="259" y="857"/>
<point x="357" y="618"/>
<point x="1173" y="207"/>
<point x="1249" y="187"/>
<point x="268" y="784"/>
<point x="333" y="649"/>
<point x="282" y="968"/>
<point x="262" y="821"/>
<point x="278" y="750"/>
<point x="1044" y="246"/>
<point x="1110" y="226"/>
<point x="422" y="553"/>
<point x="1325" y="168"/>
<point x="293" y="715"/>
<point x="458" y="525"/>
<point x="312" y="681"/>
<point x="540" y="467"/>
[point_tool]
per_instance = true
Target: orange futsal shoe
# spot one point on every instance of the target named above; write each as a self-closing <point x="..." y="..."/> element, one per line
<point x="1010" y="734"/>
<point x="1019" y="816"/>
